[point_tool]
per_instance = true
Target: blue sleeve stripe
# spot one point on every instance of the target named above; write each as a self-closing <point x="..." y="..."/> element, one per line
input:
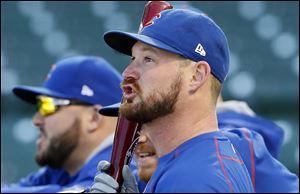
<point x="233" y="159"/>
<point x="222" y="165"/>
<point x="252" y="158"/>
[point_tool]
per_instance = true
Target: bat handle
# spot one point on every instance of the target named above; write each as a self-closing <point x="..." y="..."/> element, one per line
<point x="124" y="136"/>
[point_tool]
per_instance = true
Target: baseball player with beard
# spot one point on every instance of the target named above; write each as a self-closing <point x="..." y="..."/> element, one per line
<point x="247" y="131"/>
<point x="73" y="137"/>
<point x="250" y="144"/>
<point x="179" y="61"/>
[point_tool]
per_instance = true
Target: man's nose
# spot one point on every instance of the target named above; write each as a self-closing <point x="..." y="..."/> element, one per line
<point x="37" y="119"/>
<point x="142" y="138"/>
<point x="131" y="72"/>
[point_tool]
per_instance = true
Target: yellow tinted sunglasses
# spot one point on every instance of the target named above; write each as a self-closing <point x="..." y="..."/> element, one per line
<point x="49" y="105"/>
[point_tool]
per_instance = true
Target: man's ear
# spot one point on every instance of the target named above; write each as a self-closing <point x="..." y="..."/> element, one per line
<point x="95" y="119"/>
<point x="200" y="73"/>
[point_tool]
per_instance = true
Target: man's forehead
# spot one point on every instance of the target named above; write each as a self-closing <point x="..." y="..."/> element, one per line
<point x="140" y="46"/>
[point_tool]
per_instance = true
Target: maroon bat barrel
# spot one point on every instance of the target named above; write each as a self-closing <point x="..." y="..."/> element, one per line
<point x="124" y="137"/>
<point x="152" y="8"/>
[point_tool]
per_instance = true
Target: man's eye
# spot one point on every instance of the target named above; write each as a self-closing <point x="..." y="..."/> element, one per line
<point x="148" y="59"/>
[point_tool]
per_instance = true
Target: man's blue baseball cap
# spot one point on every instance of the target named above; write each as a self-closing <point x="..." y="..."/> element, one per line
<point x="188" y="33"/>
<point x="85" y="78"/>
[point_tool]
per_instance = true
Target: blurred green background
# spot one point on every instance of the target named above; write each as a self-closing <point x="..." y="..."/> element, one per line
<point x="263" y="38"/>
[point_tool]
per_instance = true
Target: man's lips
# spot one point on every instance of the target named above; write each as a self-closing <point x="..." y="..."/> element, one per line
<point x="144" y="150"/>
<point x="146" y="159"/>
<point x="145" y="154"/>
<point x="41" y="138"/>
<point x="128" y="92"/>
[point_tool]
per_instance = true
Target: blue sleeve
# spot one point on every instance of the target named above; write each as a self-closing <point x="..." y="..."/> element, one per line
<point x="40" y="181"/>
<point x="51" y="188"/>
<point x="272" y="176"/>
<point x="31" y="189"/>
<point x="267" y="173"/>
<point x="271" y="133"/>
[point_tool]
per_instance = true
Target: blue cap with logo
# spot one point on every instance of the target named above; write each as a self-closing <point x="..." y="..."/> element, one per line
<point x="188" y="33"/>
<point x="86" y="78"/>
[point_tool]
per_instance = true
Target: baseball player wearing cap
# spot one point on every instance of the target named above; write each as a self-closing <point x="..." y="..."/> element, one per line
<point x="179" y="61"/>
<point x="248" y="132"/>
<point x="73" y="137"/>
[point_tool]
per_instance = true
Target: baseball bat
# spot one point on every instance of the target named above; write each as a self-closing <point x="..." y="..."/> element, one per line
<point x="125" y="134"/>
<point x="126" y="131"/>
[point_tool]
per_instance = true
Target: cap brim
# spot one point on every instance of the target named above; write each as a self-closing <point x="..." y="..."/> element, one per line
<point x="124" y="41"/>
<point x="29" y="93"/>
<point x="111" y="110"/>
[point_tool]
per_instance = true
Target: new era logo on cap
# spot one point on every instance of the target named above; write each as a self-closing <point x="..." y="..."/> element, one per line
<point x="199" y="49"/>
<point x="50" y="72"/>
<point x="86" y="91"/>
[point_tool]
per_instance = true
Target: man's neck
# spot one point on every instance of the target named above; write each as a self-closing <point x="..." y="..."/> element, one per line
<point x="82" y="154"/>
<point x="108" y="141"/>
<point x="89" y="143"/>
<point x="75" y="161"/>
<point x="170" y="131"/>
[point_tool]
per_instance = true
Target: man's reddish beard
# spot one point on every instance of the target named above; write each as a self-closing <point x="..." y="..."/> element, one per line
<point x="60" y="147"/>
<point x="156" y="105"/>
<point x="145" y="171"/>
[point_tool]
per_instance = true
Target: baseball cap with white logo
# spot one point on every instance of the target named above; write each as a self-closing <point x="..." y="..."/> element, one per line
<point x="188" y="33"/>
<point x="86" y="78"/>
